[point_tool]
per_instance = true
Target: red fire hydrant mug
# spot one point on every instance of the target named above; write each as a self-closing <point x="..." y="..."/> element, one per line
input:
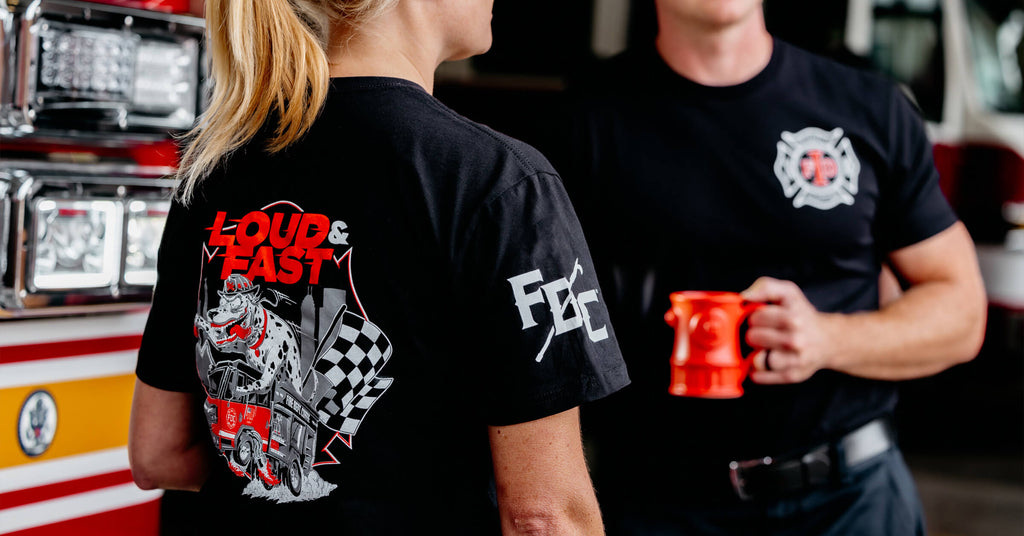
<point x="706" y="359"/>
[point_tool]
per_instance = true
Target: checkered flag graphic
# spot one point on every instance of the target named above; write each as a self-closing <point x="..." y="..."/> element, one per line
<point x="351" y="364"/>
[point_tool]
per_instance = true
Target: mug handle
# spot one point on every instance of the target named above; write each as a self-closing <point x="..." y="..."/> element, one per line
<point x="679" y="318"/>
<point x="748" y="308"/>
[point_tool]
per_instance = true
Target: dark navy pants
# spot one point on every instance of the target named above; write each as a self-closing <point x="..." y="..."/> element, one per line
<point x="876" y="498"/>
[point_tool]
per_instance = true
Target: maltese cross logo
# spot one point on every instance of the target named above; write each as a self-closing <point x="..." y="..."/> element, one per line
<point x="817" y="168"/>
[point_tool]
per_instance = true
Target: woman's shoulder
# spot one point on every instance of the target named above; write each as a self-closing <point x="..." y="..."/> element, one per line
<point x="368" y="121"/>
<point x="465" y="138"/>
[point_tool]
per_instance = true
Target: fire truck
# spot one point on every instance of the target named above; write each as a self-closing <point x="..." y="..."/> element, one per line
<point x="91" y="94"/>
<point x="264" y="435"/>
<point x="962" y="62"/>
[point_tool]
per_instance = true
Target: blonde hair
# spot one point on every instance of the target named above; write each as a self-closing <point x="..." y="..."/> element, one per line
<point x="267" y="57"/>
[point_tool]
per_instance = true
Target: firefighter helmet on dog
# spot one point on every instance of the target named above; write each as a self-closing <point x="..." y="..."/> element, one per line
<point x="238" y="284"/>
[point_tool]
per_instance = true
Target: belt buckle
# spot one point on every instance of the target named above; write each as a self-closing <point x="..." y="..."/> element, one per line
<point x="816" y="466"/>
<point x="736" y="470"/>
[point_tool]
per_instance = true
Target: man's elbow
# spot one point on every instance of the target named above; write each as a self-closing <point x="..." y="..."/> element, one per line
<point x="977" y="337"/>
<point x="974" y="324"/>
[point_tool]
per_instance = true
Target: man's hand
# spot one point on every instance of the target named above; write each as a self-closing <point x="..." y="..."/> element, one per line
<point x="792" y="333"/>
<point x="938" y="321"/>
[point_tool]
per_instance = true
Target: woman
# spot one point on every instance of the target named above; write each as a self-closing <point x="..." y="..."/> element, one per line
<point x="373" y="316"/>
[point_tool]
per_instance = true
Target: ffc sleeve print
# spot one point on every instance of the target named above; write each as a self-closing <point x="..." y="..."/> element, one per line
<point x="544" y="341"/>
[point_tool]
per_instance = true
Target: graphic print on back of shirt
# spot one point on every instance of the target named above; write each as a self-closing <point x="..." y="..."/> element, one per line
<point x="817" y="168"/>
<point x="290" y="369"/>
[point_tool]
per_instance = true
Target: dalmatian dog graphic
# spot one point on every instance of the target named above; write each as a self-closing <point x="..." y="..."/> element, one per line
<point x="242" y="324"/>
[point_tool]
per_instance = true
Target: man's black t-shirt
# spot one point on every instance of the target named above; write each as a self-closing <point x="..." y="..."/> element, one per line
<point x="354" y="311"/>
<point x="810" y="172"/>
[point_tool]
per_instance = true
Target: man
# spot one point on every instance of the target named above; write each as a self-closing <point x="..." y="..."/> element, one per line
<point x="723" y="159"/>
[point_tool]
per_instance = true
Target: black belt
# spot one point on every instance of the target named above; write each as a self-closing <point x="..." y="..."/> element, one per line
<point x="768" y="477"/>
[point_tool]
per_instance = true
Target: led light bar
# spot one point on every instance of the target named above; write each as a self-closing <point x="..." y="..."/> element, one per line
<point x="77" y="243"/>
<point x="165" y="79"/>
<point x="78" y="62"/>
<point x="79" y="237"/>
<point x="145" y="227"/>
<point x="88" y="67"/>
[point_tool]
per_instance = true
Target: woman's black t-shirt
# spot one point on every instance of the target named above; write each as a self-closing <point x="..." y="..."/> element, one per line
<point x="355" y="310"/>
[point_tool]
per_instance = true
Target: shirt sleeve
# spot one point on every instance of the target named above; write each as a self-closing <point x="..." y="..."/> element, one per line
<point x="544" y="340"/>
<point x="913" y="206"/>
<point x="167" y="355"/>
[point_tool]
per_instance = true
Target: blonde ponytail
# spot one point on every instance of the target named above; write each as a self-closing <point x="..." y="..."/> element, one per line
<point x="268" y="56"/>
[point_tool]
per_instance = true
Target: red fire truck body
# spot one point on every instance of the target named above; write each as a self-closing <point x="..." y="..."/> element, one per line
<point x="963" y="62"/>
<point x="90" y="94"/>
<point x="269" y="436"/>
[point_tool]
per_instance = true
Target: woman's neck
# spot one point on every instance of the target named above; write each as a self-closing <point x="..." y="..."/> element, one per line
<point x="386" y="46"/>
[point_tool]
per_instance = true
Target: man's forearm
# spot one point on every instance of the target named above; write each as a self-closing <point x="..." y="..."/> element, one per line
<point x="930" y="328"/>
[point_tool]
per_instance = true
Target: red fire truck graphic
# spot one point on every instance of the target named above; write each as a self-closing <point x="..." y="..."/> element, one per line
<point x="270" y="435"/>
<point x="91" y="96"/>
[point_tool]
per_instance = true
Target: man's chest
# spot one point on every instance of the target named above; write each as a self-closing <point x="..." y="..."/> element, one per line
<point x="721" y="178"/>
